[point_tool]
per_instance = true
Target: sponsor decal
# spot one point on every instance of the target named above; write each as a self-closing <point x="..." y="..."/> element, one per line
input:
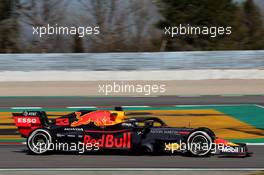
<point x="229" y="149"/>
<point x="73" y="129"/>
<point x="110" y="140"/>
<point x="99" y="118"/>
<point x="162" y="131"/>
<point x="26" y="113"/>
<point x="26" y="121"/>
<point x="60" y="135"/>
<point x="62" y="122"/>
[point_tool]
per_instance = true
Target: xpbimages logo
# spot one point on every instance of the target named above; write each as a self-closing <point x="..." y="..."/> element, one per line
<point x="81" y="31"/>
<point x="131" y="88"/>
<point x="189" y="30"/>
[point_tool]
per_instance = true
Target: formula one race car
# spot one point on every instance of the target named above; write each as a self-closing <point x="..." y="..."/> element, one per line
<point x="110" y="131"/>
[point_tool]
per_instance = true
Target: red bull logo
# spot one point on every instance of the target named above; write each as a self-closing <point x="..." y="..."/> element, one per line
<point x="99" y="118"/>
<point x="110" y="140"/>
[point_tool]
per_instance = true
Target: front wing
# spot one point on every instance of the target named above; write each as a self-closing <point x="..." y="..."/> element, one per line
<point x="225" y="148"/>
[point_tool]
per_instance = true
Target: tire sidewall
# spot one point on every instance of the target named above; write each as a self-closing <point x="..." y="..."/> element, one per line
<point x="201" y="133"/>
<point x="43" y="132"/>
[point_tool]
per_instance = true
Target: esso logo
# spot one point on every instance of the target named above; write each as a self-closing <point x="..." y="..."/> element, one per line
<point x="27" y="120"/>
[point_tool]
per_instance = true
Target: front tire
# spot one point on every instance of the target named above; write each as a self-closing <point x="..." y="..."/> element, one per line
<point x="200" y="143"/>
<point x="39" y="141"/>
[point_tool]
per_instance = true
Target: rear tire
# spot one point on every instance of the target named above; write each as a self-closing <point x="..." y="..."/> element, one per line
<point x="39" y="141"/>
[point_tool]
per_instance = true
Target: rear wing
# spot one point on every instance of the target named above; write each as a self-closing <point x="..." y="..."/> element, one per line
<point x="28" y="121"/>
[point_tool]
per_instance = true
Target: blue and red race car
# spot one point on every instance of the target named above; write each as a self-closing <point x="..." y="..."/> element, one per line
<point x="111" y="131"/>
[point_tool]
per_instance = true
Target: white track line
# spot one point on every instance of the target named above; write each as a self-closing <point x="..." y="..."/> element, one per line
<point x="189" y="96"/>
<point x="26" y="108"/>
<point x="213" y="105"/>
<point x="260" y="106"/>
<point x="135" y="106"/>
<point x="255" y="144"/>
<point x="74" y="107"/>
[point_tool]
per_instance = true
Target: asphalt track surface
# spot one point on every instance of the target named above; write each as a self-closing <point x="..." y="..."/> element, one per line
<point x="16" y="156"/>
